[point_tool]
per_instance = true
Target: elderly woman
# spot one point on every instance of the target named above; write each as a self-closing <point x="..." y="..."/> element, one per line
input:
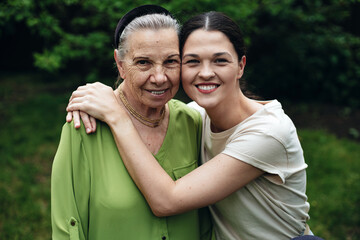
<point x="92" y="194"/>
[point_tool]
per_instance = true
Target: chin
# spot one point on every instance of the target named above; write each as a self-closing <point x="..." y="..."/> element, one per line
<point x="206" y="103"/>
<point x="159" y="104"/>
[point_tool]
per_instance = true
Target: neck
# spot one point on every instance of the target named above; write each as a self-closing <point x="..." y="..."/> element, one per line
<point x="139" y="107"/>
<point x="144" y="119"/>
<point x="231" y="112"/>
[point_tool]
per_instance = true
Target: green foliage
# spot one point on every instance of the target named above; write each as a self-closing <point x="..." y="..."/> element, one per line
<point x="79" y="31"/>
<point x="333" y="184"/>
<point x="302" y="50"/>
<point x="307" y="51"/>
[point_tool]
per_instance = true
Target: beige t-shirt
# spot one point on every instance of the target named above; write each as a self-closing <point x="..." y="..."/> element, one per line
<point x="273" y="206"/>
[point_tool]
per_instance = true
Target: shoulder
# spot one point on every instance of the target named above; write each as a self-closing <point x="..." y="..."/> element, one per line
<point x="269" y="141"/>
<point x="278" y="124"/>
<point x="196" y="106"/>
<point x="79" y="136"/>
<point x="269" y="130"/>
<point x="77" y="146"/>
<point x="270" y="121"/>
<point x="181" y="110"/>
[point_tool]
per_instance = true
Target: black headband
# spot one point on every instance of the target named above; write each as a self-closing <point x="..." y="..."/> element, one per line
<point x="136" y="12"/>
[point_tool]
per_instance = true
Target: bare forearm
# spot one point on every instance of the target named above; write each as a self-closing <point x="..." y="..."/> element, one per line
<point x="155" y="184"/>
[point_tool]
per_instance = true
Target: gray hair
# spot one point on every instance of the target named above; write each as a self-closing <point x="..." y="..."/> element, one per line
<point x="150" y="21"/>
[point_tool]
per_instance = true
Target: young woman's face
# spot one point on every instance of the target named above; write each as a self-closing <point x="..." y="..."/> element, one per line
<point x="151" y="68"/>
<point x="210" y="68"/>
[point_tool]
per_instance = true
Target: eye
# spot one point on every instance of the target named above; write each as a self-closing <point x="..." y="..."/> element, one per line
<point x="142" y="62"/>
<point x="191" y="62"/>
<point x="221" y="60"/>
<point x="172" y="62"/>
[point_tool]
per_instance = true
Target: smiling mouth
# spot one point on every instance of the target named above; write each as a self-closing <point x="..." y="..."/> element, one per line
<point x="159" y="92"/>
<point x="207" y="88"/>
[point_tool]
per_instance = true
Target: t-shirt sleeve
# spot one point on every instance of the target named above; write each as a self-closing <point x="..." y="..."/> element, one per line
<point x="70" y="187"/>
<point x="262" y="151"/>
<point x="195" y="106"/>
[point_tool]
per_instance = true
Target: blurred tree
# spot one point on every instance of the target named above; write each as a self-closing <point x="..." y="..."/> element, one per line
<point x="301" y="50"/>
<point x="75" y="35"/>
<point x="307" y="50"/>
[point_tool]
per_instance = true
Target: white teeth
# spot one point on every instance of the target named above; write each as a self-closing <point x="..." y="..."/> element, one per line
<point x="207" y="87"/>
<point x="158" y="92"/>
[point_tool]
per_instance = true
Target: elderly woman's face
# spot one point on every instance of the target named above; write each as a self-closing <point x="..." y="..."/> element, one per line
<point x="151" y="67"/>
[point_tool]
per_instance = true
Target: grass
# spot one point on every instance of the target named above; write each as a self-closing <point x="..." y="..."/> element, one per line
<point x="32" y="113"/>
<point x="31" y="117"/>
<point x="333" y="184"/>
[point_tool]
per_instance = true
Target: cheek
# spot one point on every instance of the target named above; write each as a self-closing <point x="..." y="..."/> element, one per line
<point x="137" y="77"/>
<point x="174" y="77"/>
<point x="186" y="81"/>
<point x="226" y="75"/>
<point x="232" y="76"/>
<point x="186" y="77"/>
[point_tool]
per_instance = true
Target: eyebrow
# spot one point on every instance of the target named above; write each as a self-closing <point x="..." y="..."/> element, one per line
<point x="173" y="55"/>
<point x="147" y="58"/>
<point x="191" y="55"/>
<point x="221" y="53"/>
<point x="142" y="58"/>
<point x="215" y="54"/>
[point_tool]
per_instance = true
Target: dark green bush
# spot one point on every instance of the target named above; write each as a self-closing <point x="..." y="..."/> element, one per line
<point x="299" y="50"/>
<point x="308" y="51"/>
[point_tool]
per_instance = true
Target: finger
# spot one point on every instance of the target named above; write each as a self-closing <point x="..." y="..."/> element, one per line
<point x="76" y="116"/>
<point x="71" y="97"/>
<point x="86" y="120"/>
<point x="93" y="124"/>
<point x="78" y="93"/>
<point x="86" y="87"/>
<point x="69" y="117"/>
<point x="78" y="103"/>
<point x="72" y="107"/>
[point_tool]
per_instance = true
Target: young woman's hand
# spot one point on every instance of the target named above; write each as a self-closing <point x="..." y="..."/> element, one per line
<point x="91" y="101"/>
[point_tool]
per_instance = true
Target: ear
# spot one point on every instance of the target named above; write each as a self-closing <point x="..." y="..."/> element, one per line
<point x="241" y="69"/>
<point x="119" y="64"/>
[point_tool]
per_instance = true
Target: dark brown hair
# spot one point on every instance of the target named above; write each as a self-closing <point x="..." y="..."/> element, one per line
<point x="214" y="21"/>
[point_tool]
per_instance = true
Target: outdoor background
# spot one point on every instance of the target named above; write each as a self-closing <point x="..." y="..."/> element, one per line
<point x="304" y="53"/>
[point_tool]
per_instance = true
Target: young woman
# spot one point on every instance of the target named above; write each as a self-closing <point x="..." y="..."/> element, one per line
<point x="253" y="174"/>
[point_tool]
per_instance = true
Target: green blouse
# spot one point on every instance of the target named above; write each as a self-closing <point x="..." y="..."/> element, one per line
<point x="94" y="197"/>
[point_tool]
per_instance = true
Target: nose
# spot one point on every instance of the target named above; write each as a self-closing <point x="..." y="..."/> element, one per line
<point x="206" y="71"/>
<point x="158" y="77"/>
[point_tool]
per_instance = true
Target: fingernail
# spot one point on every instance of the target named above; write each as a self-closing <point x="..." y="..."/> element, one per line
<point x="88" y="130"/>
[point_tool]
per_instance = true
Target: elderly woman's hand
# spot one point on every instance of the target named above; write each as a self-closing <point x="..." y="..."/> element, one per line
<point x="77" y="116"/>
<point x="92" y="101"/>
